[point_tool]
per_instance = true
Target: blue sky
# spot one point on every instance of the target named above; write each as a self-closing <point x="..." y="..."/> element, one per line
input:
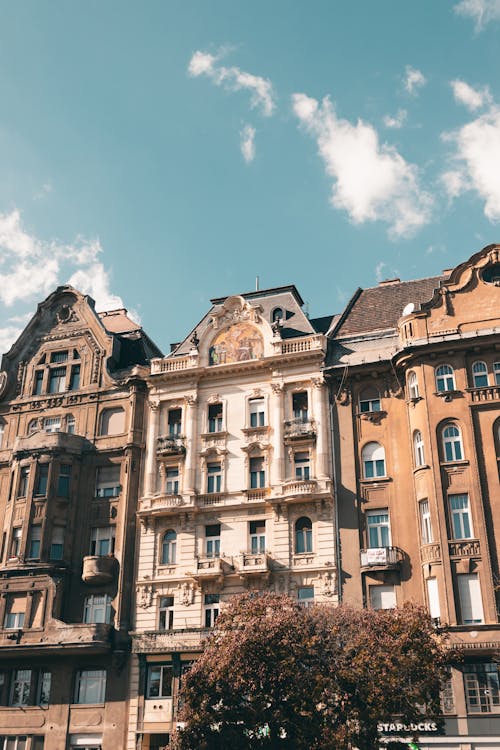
<point x="163" y="153"/>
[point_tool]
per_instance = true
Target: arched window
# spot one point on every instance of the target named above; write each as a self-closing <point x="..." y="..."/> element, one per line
<point x="112" y="422"/>
<point x="369" y="399"/>
<point x="33" y="426"/>
<point x="168" y="547"/>
<point x="480" y="374"/>
<point x="303" y="535"/>
<point x="413" y="385"/>
<point x="445" y="378"/>
<point x="277" y="314"/>
<point x="452" y="443"/>
<point x="70" y="424"/>
<point x="496" y="372"/>
<point x="373" y="457"/>
<point x="418" y="448"/>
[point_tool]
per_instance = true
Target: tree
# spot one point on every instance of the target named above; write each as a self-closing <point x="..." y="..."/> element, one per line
<point x="277" y="675"/>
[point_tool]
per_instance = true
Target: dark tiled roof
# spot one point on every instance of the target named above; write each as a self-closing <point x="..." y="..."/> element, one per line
<point x="321" y="325"/>
<point x="380" y="307"/>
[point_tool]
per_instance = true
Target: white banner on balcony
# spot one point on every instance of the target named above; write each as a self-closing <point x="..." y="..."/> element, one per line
<point x="376" y="556"/>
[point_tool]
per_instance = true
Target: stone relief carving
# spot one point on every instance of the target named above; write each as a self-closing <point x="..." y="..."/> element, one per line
<point x="186" y="596"/>
<point x="66" y="314"/>
<point x="145" y="596"/>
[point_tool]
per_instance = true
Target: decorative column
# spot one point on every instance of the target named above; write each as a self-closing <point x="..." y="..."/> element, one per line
<point x="278" y="463"/>
<point x="320" y="412"/>
<point x="153" y="422"/>
<point x="190" y="465"/>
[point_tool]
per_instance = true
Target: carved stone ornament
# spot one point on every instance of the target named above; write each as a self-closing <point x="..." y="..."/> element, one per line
<point x="235" y="310"/>
<point x="329" y="583"/>
<point x="3" y="382"/>
<point x="20" y="377"/>
<point x="186" y="597"/>
<point x="277" y="388"/>
<point x="145" y="596"/>
<point x="66" y="314"/>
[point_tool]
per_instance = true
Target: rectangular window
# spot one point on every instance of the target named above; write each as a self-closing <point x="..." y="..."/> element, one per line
<point x="42" y="477"/>
<point x="214" y="478"/>
<point x="159" y="681"/>
<point x="496" y="372"/>
<point x="382" y="597"/>
<point x="257" y="473"/>
<point x="212" y="608"/>
<point x="433" y="598"/>
<point x="15" y="544"/>
<point x="57" y="543"/>
<point x="215" y="417"/>
<point x="166" y="618"/>
<point x="212" y="540"/>
<point x="108" y="481"/>
<point x="97" y="608"/>
<point x="16" y="742"/>
<point x="64" y="480"/>
<point x="305" y="595"/>
<point x="257" y="537"/>
<point x="52" y="424"/>
<point x="257" y="413"/>
<point x="74" y="379"/>
<point x="57" y="379"/>
<point x="14" y="616"/>
<point x="34" y="542"/>
<point x="172" y="480"/>
<point x="20" y="687"/>
<point x="24" y="476"/>
<point x="300" y="406"/>
<point x="38" y="384"/>
<point x="379" y="532"/>
<point x="302" y="465"/>
<point x="425" y="522"/>
<point x="57" y="358"/>
<point x="43" y="688"/>
<point x="481" y="688"/>
<point x="90" y="686"/>
<point x="102" y="540"/>
<point x="469" y="594"/>
<point x="461" y="523"/>
<point x="174" y="422"/>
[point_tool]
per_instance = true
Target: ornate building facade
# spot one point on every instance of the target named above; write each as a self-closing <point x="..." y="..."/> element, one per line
<point x="414" y="372"/>
<point x="71" y="424"/>
<point x="237" y="487"/>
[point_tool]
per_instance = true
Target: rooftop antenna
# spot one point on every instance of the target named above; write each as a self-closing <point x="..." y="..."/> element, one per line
<point x="307" y="309"/>
<point x="256" y="283"/>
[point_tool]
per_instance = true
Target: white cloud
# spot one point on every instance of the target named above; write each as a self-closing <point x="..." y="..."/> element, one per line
<point x="414" y="80"/>
<point x="397" y="121"/>
<point x="481" y="11"/>
<point x="477" y="156"/>
<point x="247" y="143"/>
<point x="472" y="98"/>
<point x="8" y="335"/>
<point x="379" y="270"/>
<point x="234" y="79"/>
<point x="43" y="192"/>
<point x="94" y="280"/>
<point x="371" y="181"/>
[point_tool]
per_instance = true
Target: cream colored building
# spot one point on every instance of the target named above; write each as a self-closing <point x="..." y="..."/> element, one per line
<point x="237" y="486"/>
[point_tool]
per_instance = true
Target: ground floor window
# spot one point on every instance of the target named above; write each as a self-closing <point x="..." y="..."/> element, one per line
<point x="21" y="742"/>
<point x="159" y="681"/>
<point x="90" y="686"/>
<point x="158" y="742"/>
<point x="482" y="688"/>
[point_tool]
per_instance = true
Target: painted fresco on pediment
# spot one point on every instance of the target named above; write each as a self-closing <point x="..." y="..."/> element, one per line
<point x="239" y="343"/>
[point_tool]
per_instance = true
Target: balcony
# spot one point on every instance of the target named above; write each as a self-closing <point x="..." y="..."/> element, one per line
<point x="57" y="636"/>
<point x="464" y="548"/>
<point x="381" y="558"/>
<point x="170" y="445"/>
<point x="254" y="564"/>
<point x="164" y="505"/>
<point x="430" y="552"/>
<point x="209" y="569"/>
<point x="299" y="429"/>
<point x="300" y="487"/>
<point x="485" y="394"/>
<point x="98" y="570"/>
<point x="48" y="442"/>
<point x="260" y="493"/>
<point x="189" y="639"/>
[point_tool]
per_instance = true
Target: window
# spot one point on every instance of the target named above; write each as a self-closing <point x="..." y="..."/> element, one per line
<point x="369" y="400"/>
<point x="496" y="372"/>
<point x="212" y="540"/>
<point x="74" y="378"/>
<point x="425" y="522"/>
<point x="461" y="524"/>
<point x="302" y="465"/>
<point x="15" y="544"/>
<point x="418" y="448"/>
<point x="214" y="477"/>
<point x="469" y="594"/>
<point x="112" y="422"/>
<point x="38" y="383"/>
<point x="257" y="537"/>
<point x="159" y="683"/>
<point x="211" y="607"/>
<point x="70" y="424"/>
<point x="172" y="480"/>
<point x="2" y="431"/>
<point x="305" y="595"/>
<point x="168" y="548"/>
<point x="166" y="610"/>
<point x="382" y="597"/>
<point x="64" y="480"/>
<point x="24" y="476"/>
<point x="257" y="473"/>
<point x="108" y="481"/>
<point x="300" y="406"/>
<point x="90" y="686"/>
<point x="97" y="608"/>
<point x="480" y="374"/>
<point x="257" y="413"/>
<point x="42" y="477"/>
<point x="445" y="378"/>
<point x="17" y="742"/>
<point x="102" y="540"/>
<point x="52" y="424"/>
<point x="481" y="688"/>
<point x="58" y="357"/>
<point x="34" y="542"/>
<point x="277" y="314"/>
<point x="373" y="457"/>
<point x="433" y="598"/>
<point x="215" y="418"/>
<point x="452" y="443"/>
<point x="20" y="687"/>
<point x="14" y="616"/>
<point x="57" y="543"/>
<point x="57" y="379"/>
<point x="303" y="535"/>
<point x="413" y="391"/>
<point x="174" y="422"/>
<point x="378" y="528"/>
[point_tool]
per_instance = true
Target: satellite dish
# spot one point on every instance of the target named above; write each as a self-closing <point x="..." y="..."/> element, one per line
<point x="410" y="307"/>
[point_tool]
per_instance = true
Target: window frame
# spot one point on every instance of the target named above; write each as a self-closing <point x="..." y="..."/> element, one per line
<point x="479" y="371"/>
<point x="303" y="536"/>
<point x="413" y="386"/>
<point x="373" y="467"/>
<point x="102" y="535"/>
<point x="166" y="674"/>
<point x="212" y="540"/>
<point x="302" y="466"/>
<point x="452" y="445"/>
<point x="378" y="532"/>
<point x="166" y="613"/>
<point x="91" y="606"/>
<point x="445" y="378"/>
<point x="257" y="536"/>
<point x="257" y="472"/>
<point x="169" y="548"/>
<point x="211" y="609"/>
<point x="215" y="418"/>
<point x="460" y="517"/>
<point x="214" y="477"/>
<point x="418" y="449"/>
<point x="424" y="513"/>
<point x="82" y="680"/>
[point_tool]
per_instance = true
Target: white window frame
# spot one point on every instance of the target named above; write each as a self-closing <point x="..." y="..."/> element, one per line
<point x="445" y="378"/>
<point x="433" y="598"/>
<point x="496" y="372"/>
<point x="215" y="424"/>
<point x="305" y="596"/>
<point x="35" y="536"/>
<point x="212" y="541"/>
<point x="257" y="536"/>
<point x="166" y="609"/>
<point x="373" y="459"/>
<point x="257" y="476"/>
<point x="211" y="609"/>
<point x="469" y="596"/>
<point x="99" y="536"/>
<point x="453" y="447"/>
<point x="83" y="686"/>
<point x="110" y="487"/>
<point x="25" y="687"/>
<point x="164" y="680"/>
<point x="482" y="689"/>
<point x="97" y="609"/>
<point x="52" y="424"/>
<point x="425" y="522"/>
<point x="302" y="465"/>
<point x="413" y="389"/>
<point x="57" y="543"/>
<point x="378" y="529"/>
<point x="460" y="516"/>
<point x="214" y="477"/>
<point x="418" y="448"/>
<point x="169" y="548"/>
<point x="257" y="412"/>
<point x="480" y="374"/>
<point x="384" y="595"/>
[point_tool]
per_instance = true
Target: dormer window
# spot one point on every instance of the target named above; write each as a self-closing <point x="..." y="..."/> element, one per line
<point x="57" y="380"/>
<point x="277" y="314"/>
